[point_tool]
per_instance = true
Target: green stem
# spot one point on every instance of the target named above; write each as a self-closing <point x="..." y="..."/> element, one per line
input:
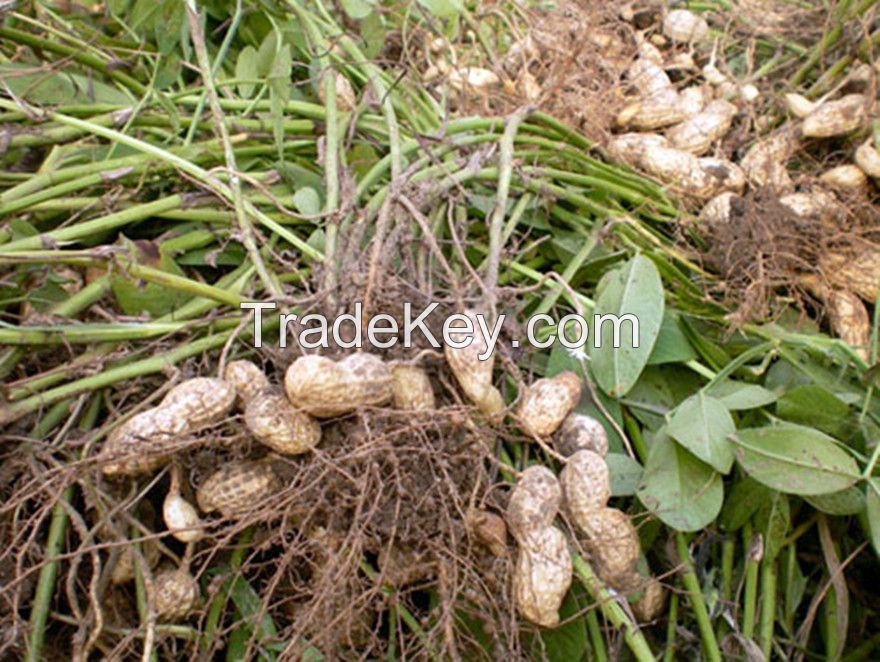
<point x="611" y="610"/>
<point x="671" y="629"/>
<point x="750" y="597"/>
<point x="692" y="586"/>
<point x="768" y="606"/>
<point x="596" y="638"/>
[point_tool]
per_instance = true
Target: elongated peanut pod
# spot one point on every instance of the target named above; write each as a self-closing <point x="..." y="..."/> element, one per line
<point x="613" y="543"/>
<point x="547" y="402"/>
<point x="324" y="388"/>
<point x="836" y="118"/>
<point x="201" y="401"/>
<point x="850" y="321"/>
<point x="650" y="605"/>
<point x="534" y="502"/>
<point x="697" y="134"/>
<point x="765" y="162"/>
<point x="543" y="576"/>
<point x="586" y="485"/>
<point x="237" y="487"/>
<point x="143" y="443"/>
<point x="474" y="375"/>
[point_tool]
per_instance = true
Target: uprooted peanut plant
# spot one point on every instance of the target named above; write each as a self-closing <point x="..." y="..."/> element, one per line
<point x="174" y="489"/>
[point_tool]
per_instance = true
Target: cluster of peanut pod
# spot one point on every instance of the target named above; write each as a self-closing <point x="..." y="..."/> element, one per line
<point x="288" y="422"/>
<point x="697" y="117"/>
<point x="543" y="571"/>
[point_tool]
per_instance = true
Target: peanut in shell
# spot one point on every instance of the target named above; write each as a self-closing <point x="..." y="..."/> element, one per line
<point x="237" y="487"/>
<point x="324" y="388"/>
<point x="613" y="543"/>
<point x="143" y="443"/>
<point x="836" y="118"/>
<point x="858" y="273"/>
<point x="412" y="388"/>
<point x="534" y="502"/>
<point x="201" y="401"/>
<point x="698" y="133"/>
<point x="247" y="379"/>
<point x="580" y="432"/>
<point x="650" y="605"/>
<point x="850" y="320"/>
<point x="473" y="375"/>
<point x="542" y="576"/>
<point x="586" y="485"/>
<point x="868" y="158"/>
<point x="547" y="402"/>
<point x="276" y="423"/>
<point x="765" y="162"/>
<point x="847" y="177"/>
<point x="176" y="593"/>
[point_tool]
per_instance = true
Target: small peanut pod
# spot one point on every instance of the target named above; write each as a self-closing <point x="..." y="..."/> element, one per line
<point x="543" y="576"/>
<point x="850" y="320"/>
<point x="613" y="544"/>
<point x="816" y="205"/>
<point x="836" y="118"/>
<point x="237" y="488"/>
<point x="685" y="27"/>
<point x="181" y="518"/>
<point x="765" y="162"/>
<point x="580" y="432"/>
<point x="547" y="402"/>
<point x="868" y="158"/>
<point x="345" y="96"/>
<point x="473" y="375"/>
<point x="473" y="78"/>
<point x="720" y="209"/>
<point x="859" y="273"/>
<point x="650" y="605"/>
<point x="648" y="77"/>
<point x="176" y="593"/>
<point x="123" y="570"/>
<point x="586" y="485"/>
<point x="661" y="109"/>
<point x="201" y="401"/>
<point x="489" y="529"/>
<point x="693" y="100"/>
<point x="247" y="379"/>
<point x="279" y="425"/>
<point x="697" y="134"/>
<point x="412" y="388"/>
<point x="799" y="105"/>
<point x="534" y="502"/>
<point x="847" y="177"/>
<point x="143" y="443"/>
<point x="325" y="388"/>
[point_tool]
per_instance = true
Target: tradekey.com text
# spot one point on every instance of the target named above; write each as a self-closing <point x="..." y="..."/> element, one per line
<point x="459" y="330"/>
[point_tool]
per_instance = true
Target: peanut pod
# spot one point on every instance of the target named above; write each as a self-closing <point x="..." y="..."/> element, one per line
<point x="237" y="487"/>
<point x="542" y="576"/>
<point x="279" y="425"/>
<point x="534" y="502"/>
<point x="324" y="388"/>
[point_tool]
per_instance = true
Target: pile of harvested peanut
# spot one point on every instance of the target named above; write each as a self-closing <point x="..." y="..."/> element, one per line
<point x="696" y="116"/>
<point x="317" y="390"/>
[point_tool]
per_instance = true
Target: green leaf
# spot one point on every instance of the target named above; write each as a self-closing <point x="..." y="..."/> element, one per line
<point x="702" y="425"/>
<point x="816" y="407"/>
<point x="60" y="87"/>
<point x="266" y="54"/>
<point x="683" y="492"/>
<point x="625" y="472"/>
<point x="373" y="34"/>
<point x="744" y="500"/>
<point x="167" y="26"/>
<point x="737" y="396"/>
<point x="873" y="513"/>
<point x="357" y="9"/>
<point x="635" y="289"/>
<point x="307" y="201"/>
<point x="246" y="67"/>
<point x="773" y="520"/>
<point x="672" y="345"/>
<point x="135" y="297"/>
<point x="248" y="604"/>
<point x="795" y="459"/>
<point x="850" y="501"/>
<point x="443" y="8"/>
